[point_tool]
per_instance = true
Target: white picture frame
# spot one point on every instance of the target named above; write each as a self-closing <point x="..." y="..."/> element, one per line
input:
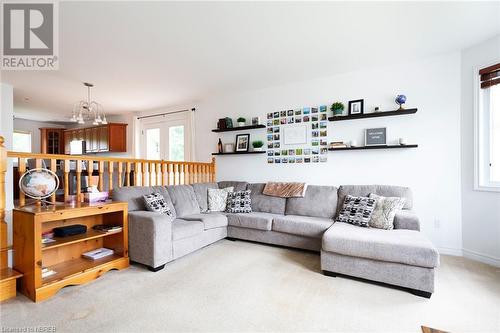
<point x="295" y="134"/>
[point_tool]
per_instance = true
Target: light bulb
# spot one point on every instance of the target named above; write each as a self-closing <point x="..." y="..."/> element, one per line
<point x="104" y="121"/>
<point x="80" y="121"/>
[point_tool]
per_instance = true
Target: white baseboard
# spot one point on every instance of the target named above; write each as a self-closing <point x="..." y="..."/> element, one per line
<point x="481" y="257"/>
<point x="450" y="251"/>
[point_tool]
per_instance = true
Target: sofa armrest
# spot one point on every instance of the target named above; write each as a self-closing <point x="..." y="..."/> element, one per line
<point x="150" y="238"/>
<point x="406" y="219"/>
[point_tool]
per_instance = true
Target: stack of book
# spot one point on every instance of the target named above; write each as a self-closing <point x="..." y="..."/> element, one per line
<point x="47" y="272"/>
<point x="337" y="145"/>
<point x="98" y="253"/>
<point x="107" y="228"/>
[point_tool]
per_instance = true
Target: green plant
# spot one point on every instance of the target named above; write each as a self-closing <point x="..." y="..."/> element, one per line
<point x="258" y="144"/>
<point x="241" y="120"/>
<point x="337" y="106"/>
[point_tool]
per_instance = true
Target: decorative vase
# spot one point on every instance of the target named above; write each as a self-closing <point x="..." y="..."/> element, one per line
<point x="241" y="124"/>
<point x="229" y="148"/>
<point x="338" y="112"/>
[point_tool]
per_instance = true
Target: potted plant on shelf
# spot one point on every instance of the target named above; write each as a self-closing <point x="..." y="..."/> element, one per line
<point x="241" y="121"/>
<point x="257" y="145"/>
<point x="337" y="108"/>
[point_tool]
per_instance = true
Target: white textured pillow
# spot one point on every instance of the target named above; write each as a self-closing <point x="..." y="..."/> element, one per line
<point x="217" y="198"/>
<point x="385" y="210"/>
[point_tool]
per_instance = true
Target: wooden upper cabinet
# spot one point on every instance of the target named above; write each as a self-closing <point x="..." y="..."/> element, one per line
<point x="106" y="138"/>
<point x="52" y="140"/>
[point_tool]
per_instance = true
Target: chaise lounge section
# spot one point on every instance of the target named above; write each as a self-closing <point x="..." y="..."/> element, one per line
<point x="402" y="257"/>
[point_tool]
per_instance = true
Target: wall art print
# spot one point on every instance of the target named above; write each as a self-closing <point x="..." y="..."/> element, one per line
<point x="297" y="136"/>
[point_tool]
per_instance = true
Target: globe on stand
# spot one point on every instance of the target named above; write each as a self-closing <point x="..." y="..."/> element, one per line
<point x="39" y="184"/>
<point x="400" y="100"/>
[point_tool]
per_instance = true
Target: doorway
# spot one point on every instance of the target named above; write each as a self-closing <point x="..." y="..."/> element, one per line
<point x="167" y="137"/>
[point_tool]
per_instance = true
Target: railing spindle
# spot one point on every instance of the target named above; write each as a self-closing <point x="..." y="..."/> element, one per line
<point x="152" y="174"/>
<point x="53" y="168"/>
<point x="127" y="174"/>
<point x="67" y="168"/>
<point x="100" y="169"/>
<point x="138" y="173"/>
<point x="145" y="171"/>
<point x="78" y="180"/>
<point x="110" y="177"/>
<point x="120" y="170"/>
<point x="21" y="168"/>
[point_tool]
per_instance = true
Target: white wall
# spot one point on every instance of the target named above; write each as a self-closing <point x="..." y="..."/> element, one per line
<point x="480" y="210"/>
<point x="6" y="130"/>
<point x="432" y="170"/>
<point x="34" y="128"/>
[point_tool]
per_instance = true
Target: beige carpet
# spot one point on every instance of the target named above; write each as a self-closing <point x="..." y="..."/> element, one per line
<point x="241" y="286"/>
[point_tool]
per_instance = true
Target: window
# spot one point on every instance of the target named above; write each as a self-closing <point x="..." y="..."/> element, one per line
<point x="488" y="130"/>
<point x="176" y="143"/>
<point x="21" y="142"/>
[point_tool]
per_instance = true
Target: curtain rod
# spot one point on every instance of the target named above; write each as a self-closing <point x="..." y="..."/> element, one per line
<point x="165" y="113"/>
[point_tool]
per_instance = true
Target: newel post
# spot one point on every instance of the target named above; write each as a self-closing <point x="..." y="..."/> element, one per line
<point x="214" y="170"/>
<point x="3" y="224"/>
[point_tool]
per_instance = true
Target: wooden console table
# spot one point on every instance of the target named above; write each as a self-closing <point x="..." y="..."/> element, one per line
<point x="64" y="255"/>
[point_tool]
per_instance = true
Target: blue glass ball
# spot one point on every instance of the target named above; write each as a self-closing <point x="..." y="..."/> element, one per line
<point x="401" y="99"/>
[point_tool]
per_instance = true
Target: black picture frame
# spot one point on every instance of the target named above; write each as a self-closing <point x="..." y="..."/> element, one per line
<point x="244" y="147"/>
<point x="359" y="102"/>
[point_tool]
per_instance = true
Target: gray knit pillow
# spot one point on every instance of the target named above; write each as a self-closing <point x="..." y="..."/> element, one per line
<point x="385" y="210"/>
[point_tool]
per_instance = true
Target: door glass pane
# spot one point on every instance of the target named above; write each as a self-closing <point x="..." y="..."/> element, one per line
<point x="176" y="143"/>
<point x="495" y="133"/>
<point x="21" y="142"/>
<point x="153" y="144"/>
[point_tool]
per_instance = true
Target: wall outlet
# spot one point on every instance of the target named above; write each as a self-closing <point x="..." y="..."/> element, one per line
<point x="437" y="223"/>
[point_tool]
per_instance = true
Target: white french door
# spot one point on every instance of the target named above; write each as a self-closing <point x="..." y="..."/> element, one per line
<point x="167" y="137"/>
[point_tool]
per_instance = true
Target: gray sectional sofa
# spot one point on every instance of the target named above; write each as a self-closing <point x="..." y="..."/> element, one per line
<point x="402" y="257"/>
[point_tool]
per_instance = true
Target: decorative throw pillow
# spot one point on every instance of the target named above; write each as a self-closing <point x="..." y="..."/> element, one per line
<point x="239" y="202"/>
<point x="356" y="210"/>
<point x="385" y="210"/>
<point x="217" y="198"/>
<point x="155" y="202"/>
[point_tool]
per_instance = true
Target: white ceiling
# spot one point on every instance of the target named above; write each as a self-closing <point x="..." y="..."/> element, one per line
<point x="144" y="55"/>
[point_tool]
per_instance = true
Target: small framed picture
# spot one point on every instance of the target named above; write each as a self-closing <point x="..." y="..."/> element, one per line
<point x="255" y="120"/>
<point x="242" y="142"/>
<point x="356" y="107"/>
<point x="376" y="136"/>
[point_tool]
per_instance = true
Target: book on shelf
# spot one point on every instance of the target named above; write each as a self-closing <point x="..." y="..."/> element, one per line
<point x="107" y="228"/>
<point x="338" y="144"/>
<point x="47" y="240"/>
<point x="98" y="253"/>
<point x="47" y="272"/>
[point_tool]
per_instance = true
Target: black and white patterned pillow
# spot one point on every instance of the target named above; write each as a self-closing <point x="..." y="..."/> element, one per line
<point x="356" y="210"/>
<point x="239" y="202"/>
<point x="155" y="202"/>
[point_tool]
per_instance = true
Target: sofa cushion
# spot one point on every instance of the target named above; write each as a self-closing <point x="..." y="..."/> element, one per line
<point x="319" y="201"/>
<point x="133" y="195"/>
<point x="383" y="190"/>
<point x="239" y="202"/>
<point x="184" y="200"/>
<point x="155" y="202"/>
<point x="210" y="220"/>
<point x="238" y="186"/>
<point x="356" y="210"/>
<point x="217" y="199"/>
<point x="184" y="229"/>
<point x="200" y="190"/>
<point x="385" y="210"/>
<point x="301" y="225"/>
<point x="402" y="246"/>
<point x="265" y="203"/>
<point x="253" y="220"/>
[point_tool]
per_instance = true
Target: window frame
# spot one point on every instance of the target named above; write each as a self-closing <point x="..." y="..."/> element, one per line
<point x="481" y="159"/>
<point x="31" y="138"/>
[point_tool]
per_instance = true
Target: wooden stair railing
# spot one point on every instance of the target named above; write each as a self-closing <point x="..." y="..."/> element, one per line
<point x="8" y="276"/>
<point x="128" y="172"/>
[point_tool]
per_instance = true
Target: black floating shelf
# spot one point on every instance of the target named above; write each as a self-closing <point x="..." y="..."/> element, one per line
<point x="374" y="115"/>
<point x="241" y="153"/>
<point x="239" y="128"/>
<point x="374" y="147"/>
